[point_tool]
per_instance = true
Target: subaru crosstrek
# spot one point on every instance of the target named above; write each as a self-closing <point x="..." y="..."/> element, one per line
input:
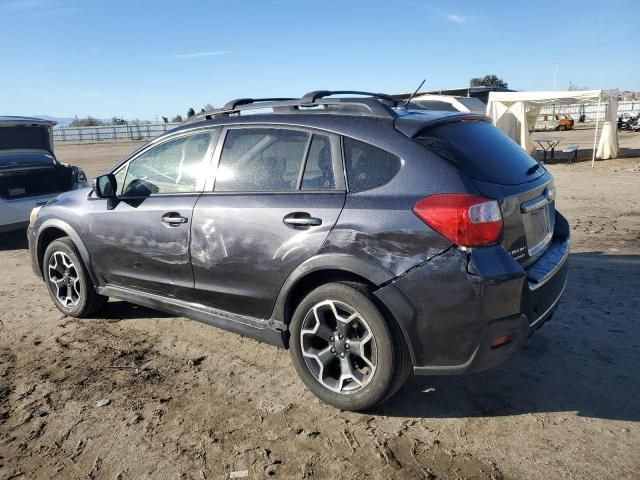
<point x="370" y="239"/>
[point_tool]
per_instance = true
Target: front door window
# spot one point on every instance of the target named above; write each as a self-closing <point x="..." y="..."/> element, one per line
<point x="175" y="166"/>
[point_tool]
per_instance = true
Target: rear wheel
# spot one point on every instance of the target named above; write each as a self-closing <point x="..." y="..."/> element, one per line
<point x="68" y="282"/>
<point x="344" y="350"/>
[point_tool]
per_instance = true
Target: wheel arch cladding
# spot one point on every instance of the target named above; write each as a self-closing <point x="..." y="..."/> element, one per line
<point x="298" y="286"/>
<point x="54" y="229"/>
<point x="323" y="269"/>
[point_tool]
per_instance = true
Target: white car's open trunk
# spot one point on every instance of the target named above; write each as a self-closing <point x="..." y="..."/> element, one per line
<point x="28" y="167"/>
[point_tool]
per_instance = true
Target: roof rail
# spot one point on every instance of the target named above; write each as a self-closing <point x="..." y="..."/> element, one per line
<point x="369" y="106"/>
<point x="311" y="97"/>
<point x="236" y="106"/>
<point x="248" y="101"/>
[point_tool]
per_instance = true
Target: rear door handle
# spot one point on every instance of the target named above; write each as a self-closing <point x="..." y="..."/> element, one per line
<point x="301" y="219"/>
<point x="174" y="219"/>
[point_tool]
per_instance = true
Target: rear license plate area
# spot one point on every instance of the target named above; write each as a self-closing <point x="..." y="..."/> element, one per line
<point x="538" y="229"/>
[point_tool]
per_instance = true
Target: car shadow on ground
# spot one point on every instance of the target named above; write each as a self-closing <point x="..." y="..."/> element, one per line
<point x="117" y="310"/>
<point x="15" y="240"/>
<point x="584" y="360"/>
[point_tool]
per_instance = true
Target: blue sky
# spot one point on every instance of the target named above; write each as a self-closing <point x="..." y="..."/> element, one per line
<point x="140" y="58"/>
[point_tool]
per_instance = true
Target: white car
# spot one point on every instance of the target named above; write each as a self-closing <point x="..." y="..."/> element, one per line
<point x="30" y="175"/>
<point x="449" y="103"/>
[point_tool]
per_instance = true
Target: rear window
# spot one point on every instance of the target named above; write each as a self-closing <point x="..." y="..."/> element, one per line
<point x="368" y="166"/>
<point x="481" y="151"/>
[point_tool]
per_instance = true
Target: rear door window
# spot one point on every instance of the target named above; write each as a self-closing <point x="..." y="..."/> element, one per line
<point x="481" y="151"/>
<point x="368" y="166"/>
<point x="261" y="160"/>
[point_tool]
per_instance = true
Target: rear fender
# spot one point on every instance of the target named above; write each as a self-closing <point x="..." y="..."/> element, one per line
<point x="372" y="273"/>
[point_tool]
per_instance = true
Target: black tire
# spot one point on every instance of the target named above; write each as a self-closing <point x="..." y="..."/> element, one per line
<point x="392" y="361"/>
<point x="85" y="300"/>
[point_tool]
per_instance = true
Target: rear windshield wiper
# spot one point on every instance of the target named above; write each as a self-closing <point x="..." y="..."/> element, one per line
<point x="533" y="168"/>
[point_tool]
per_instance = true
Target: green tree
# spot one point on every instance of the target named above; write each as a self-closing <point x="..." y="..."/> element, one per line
<point x="177" y="119"/>
<point x="85" y="122"/>
<point x="191" y="112"/>
<point x="488" y="81"/>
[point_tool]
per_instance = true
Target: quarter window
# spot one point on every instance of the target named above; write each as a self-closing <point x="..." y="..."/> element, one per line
<point x="368" y="166"/>
<point x="175" y="166"/>
<point x="261" y="160"/>
<point x="318" y="171"/>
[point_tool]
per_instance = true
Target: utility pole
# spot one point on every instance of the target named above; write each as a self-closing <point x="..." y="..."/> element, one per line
<point x="555" y="81"/>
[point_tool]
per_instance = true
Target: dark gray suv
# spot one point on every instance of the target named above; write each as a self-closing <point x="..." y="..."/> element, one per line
<point x="370" y="239"/>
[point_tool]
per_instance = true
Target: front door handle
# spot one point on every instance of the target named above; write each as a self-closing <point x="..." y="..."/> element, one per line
<point x="174" y="219"/>
<point x="301" y="220"/>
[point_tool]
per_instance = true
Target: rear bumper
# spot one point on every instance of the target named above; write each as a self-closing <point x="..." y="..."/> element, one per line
<point x="454" y="307"/>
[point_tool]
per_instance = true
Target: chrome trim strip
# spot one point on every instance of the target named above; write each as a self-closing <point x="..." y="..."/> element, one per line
<point x="534" y="204"/>
<point x="545" y="198"/>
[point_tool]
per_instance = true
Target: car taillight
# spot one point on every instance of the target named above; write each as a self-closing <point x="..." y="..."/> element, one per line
<point x="466" y="220"/>
<point x="81" y="177"/>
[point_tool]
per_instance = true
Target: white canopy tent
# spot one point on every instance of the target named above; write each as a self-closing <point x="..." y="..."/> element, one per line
<point x="515" y="113"/>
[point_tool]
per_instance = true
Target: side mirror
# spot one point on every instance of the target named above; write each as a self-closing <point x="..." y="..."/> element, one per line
<point x="105" y="186"/>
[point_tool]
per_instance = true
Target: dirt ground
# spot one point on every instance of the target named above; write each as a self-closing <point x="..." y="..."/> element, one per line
<point x="190" y="401"/>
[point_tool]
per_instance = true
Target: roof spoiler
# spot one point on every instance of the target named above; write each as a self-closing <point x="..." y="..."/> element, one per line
<point x="411" y="125"/>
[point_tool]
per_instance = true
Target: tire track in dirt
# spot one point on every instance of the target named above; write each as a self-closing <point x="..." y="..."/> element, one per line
<point x="185" y="417"/>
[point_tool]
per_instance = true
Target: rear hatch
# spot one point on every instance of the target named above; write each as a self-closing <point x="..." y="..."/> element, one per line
<point x="501" y="170"/>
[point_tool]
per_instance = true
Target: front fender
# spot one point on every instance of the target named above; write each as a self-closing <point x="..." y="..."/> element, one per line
<point x="54" y="223"/>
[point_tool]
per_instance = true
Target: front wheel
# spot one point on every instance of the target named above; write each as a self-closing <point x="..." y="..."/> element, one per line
<point x="345" y="350"/>
<point x="68" y="282"/>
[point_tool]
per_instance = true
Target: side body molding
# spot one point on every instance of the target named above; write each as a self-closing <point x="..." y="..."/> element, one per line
<point x="68" y="229"/>
<point x="370" y="271"/>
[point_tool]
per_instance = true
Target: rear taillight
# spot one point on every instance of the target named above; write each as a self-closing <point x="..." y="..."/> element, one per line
<point x="466" y="220"/>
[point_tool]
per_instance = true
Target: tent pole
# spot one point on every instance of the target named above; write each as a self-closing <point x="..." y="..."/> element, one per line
<point x="595" y="136"/>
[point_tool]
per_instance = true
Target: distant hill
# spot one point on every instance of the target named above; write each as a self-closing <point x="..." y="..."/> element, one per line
<point x="58" y="120"/>
<point x="62" y="121"/>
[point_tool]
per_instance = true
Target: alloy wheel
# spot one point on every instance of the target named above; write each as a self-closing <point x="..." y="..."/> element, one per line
<point x="64" y="279"/>
<point x="338" y="346"/>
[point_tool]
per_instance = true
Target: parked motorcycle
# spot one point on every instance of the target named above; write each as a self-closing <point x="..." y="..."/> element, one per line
<point x="629" y="123"/>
